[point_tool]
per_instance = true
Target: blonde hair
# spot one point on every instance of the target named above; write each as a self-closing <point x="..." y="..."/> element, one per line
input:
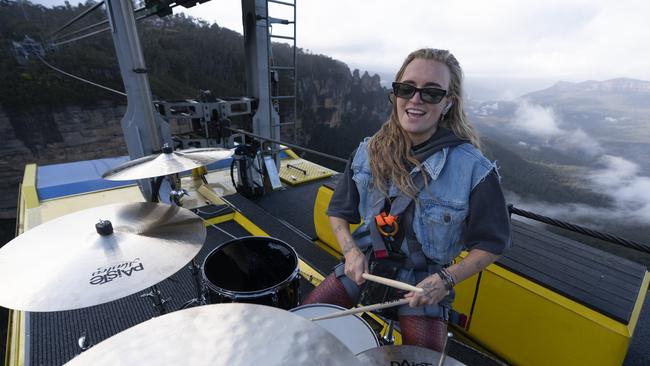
<point x="389" y="149"/>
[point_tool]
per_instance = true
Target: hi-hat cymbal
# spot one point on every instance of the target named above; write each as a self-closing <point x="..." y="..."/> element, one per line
<point x="404" y="355"/>
<point x="67" y="264"/>
<point x="168" y="162"/>
<point x="223" y="334"/>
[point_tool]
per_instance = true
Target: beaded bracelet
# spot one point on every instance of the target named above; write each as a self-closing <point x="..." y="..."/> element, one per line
<point x="447" y="278"/>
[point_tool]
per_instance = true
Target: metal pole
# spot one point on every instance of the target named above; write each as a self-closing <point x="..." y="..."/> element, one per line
<point x="144" y="130"/>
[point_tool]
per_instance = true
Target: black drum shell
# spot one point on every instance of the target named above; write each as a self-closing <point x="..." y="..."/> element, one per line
<point x="255" y="270"/>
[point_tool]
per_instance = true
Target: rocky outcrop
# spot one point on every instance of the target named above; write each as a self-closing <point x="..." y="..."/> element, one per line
<point x="48" y="136"/>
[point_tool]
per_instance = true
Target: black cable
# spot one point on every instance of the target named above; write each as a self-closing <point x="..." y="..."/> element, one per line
<point x="81" y="30"/>
<point x="81" y="37"/>
<point x="74" y="20"/>
<point x="581" y="229"/>
<point x="155" y="191"/>
<point x="232" y="174"/>
<point x="103" y="22"/>
<point x="78" y="78"/>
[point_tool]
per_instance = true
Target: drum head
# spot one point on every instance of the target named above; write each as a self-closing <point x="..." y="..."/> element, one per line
<point x="250" y="265"/>
<point x="353" y="331"/>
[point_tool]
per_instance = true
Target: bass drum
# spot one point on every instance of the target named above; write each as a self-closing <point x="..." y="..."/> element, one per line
<point x="256" y="270"/>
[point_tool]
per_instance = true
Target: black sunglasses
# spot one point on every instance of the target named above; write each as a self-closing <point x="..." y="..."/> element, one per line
<point x="428" y="95"/>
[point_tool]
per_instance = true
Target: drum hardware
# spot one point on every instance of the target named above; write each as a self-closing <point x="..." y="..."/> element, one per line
<point x="252" y="339"/>
<point x="157" y="300"/>
<point x="443" y="354"/>
<point x="199" y="285"/>
<point x="176" y="196"/>
<point x="83" y="342"/>
<point x="389" y="338"/>
<point x="83" y="263"/>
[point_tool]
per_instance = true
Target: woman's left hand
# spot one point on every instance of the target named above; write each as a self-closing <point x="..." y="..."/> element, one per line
<point x="434" y="291"/>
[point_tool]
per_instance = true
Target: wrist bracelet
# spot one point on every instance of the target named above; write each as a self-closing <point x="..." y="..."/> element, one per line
<point x="447" y="278"/>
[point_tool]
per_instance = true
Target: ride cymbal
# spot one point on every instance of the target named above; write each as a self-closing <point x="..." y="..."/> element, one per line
<point x="75" y="261"/>
<point x="168" y="162"/>
<point x="223" y="334"/>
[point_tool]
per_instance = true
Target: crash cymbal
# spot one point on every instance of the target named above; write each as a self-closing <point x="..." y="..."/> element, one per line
<point x="168" y="162"/>
<point x="66" y="263"/>
<point x="223" y="334"/>
<point x="404" y="355"/>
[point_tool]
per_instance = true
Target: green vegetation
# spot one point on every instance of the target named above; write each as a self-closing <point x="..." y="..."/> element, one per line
<point x="336" y="107"/>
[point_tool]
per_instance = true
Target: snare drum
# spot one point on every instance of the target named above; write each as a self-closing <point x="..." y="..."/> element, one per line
<point x="256" y="270"/>
<point x="353" y="331"/>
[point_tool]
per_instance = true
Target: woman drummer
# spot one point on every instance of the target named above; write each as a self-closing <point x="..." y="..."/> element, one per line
<point x="425" y="192"/>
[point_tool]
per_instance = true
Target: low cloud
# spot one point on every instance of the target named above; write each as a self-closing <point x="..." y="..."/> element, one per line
<point x="619" y="179"/>
<point x="614" y="176"/>
<point x="544" y="125"/>
<point x="536" y="120"/>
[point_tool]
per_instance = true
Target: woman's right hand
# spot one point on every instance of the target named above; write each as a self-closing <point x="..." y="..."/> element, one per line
<point x="356" y="264"/>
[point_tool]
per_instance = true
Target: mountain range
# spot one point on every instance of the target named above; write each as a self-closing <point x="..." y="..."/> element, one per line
<point x="554" y="146"/>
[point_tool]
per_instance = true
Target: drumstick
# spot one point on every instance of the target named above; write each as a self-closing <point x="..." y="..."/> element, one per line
<point x="362" y="309"/>
<point x="391" y="283"/>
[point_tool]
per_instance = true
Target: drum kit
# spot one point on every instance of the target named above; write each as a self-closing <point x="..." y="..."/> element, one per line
<point x="245" y="288"/>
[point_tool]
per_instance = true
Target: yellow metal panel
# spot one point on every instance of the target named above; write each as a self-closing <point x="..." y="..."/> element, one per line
<point x="28" y="191"/>
<point x="210" y="195"/>
<point x="528" y="324"/>
<point x="310" y="274"/>
<point x="51" y="209"/>
<point x="299" y="171"/>
<point x="15" y="355"/>
<point x="328" y="249"/>
<point x="248" y="225"/>
<point x="321" y="221"/>
<point x="291" y="154"/>
<point x="219" y="219"/>
<point x="465" y="295"/>
<point x="636" y="312"/>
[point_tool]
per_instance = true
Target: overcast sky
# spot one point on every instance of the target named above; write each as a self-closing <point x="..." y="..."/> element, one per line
<point x="570" y="40"/>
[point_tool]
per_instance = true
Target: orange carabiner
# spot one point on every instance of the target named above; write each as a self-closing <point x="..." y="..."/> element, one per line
<point x="386" y="224"/>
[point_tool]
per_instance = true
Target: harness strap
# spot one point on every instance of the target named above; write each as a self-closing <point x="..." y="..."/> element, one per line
<point x="399" y="208"/>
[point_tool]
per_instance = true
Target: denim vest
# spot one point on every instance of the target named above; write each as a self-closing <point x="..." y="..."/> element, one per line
<point x="441" y="208"/>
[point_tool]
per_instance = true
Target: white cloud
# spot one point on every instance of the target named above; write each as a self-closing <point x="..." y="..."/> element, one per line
<point x="557" y="39"/>
<point x="618" y="179"/>
<point x="536" y="120"/>
<point x="542" y="123"/>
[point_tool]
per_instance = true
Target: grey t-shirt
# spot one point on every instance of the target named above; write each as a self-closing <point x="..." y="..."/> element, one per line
<point x="487" y="226"/>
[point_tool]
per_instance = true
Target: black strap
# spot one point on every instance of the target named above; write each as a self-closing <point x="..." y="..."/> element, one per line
<point x="401" y="208"/>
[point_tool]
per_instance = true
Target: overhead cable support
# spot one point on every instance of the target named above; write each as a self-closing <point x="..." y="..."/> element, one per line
<point x="75" y="19"/>
<point x="99" y="30"/>
<point x="78" y="78"/>
<point x="581" y="229"/>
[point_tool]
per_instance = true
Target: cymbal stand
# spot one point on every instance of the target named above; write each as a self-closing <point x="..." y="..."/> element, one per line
<point x="443" y="354"/>
<point x="176" y="197"/>
<point x="388" y="338"/>
<point x="157" y="300"/>
<point x="199" y="285"/>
